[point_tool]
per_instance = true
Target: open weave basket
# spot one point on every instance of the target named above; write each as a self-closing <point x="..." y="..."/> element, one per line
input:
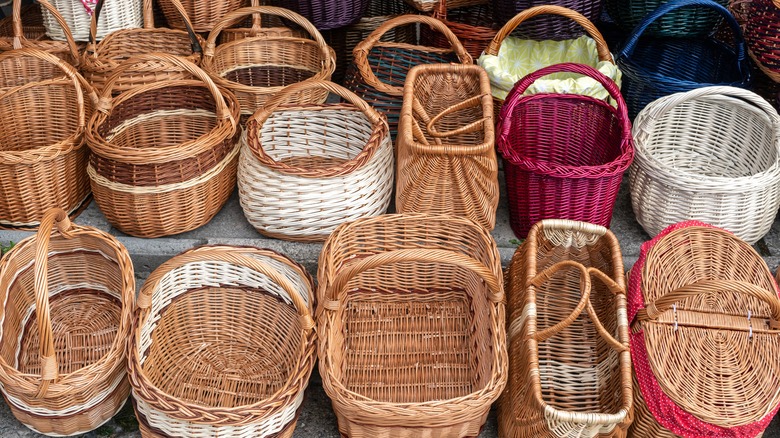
<point x="705" y="321"/>
<point x="762" y="34"/>
<point x="164" y="155"/>
<point x="223" y="345"/>
<point x="204" y="14"/>
<point x="569" y="362"/>
<point x="711" y="154"/>
<point x="117" y="15"/>
<point x="68" y="297"/>
<point x="43" y="157"/>
<point x="411" y="325"/>
<point x="307" y="168"/>
<point x="446" y="144"/>
<point x="24" y="28"/>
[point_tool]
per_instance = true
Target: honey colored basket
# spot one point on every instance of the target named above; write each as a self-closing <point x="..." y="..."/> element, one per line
<point x="43" y="157"/>
<point x="411" y="326"/>
<point x="705" y="320"/>
<point x="307" y="168"/>
<point x="223" y="345"/>
<point x="64" y="327"/>
<point x="204" y="14"/>
<point x="569" y="363"/>
<point x="164" y="155"/>
<point x="24" y="28"/>
<point x="446" y="144"/>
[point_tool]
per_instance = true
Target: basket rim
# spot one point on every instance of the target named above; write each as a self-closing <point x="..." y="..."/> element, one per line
<point x="93" y="60"/>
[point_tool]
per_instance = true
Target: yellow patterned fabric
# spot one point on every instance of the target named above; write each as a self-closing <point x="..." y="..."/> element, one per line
<point x="517" y="58"/>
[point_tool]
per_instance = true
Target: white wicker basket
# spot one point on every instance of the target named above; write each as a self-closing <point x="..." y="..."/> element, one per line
<point x="114" y="15"/>
<point x="710" y="154"/>
<point x="305" y="169"/>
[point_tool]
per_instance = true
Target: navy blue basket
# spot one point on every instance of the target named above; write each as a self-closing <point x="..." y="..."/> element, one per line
<point x="654" y="67"/>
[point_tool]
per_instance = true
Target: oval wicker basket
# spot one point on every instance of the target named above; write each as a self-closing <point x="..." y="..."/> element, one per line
<point x="762" y="34"/>
<point x="682" y="23"/>
<point x="164" y="155"/>
<point x="424" y="294"/>
<point x="203" y="14"/>
<point x="223" y="345"/>
<point x="548" y="27"/>
<point x="64" y="327"/>
<point x="24" y="28"/>
<point x="117" y="15"/>
<point x="307" y="168"/>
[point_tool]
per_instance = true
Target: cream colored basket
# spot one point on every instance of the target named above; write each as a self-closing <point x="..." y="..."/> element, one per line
<point x="115" y="15"/>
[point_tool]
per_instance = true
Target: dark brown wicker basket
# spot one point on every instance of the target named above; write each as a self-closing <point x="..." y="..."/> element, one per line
<point x="547" y="27"/>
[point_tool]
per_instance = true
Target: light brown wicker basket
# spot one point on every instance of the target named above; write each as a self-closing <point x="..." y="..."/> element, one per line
<point x="205" y="14"/>
<point x="411" y="326"/>
<point x="429" y="5"/>
<point x="64" y="327"/>
<point x="24" y="28"/>
<point x="260" y="25"/>
<point x="446" y="144"/>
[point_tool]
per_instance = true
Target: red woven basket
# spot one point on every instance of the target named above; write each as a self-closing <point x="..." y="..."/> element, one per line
<point x="564" y="154"/>
<point x="762" y="34"/>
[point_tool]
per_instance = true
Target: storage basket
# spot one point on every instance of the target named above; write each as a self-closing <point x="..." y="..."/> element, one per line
<point x="656" y="67"/>
<point x="24" y="28"/>
<point x="164" y="155"/>
<point x="423" y="294"/>
<point x="681" y="23"/>
<point x="430" y="5"/>
<point x="327" y="14"/>
<point x="473" y="25"/>
<point x="203" y="14"/>
<point x="101" y="59"/>
<point x="43" y="156"/>
<point x="570" y="366"/>
<point x="508" y="59"/>
<point x="117" y="15"/>
<point x="379" y="69"/>
<point x="64" y="327"/>
<point x="711" y="154"/>
<point x="446" y="144"/>
<point x="223" y="344"/>
<point x="564" y="154"/>
<point x="307" y="168"/>
<point x="762" y="33"/>
<point x="547" y="27"/>
<point x="257" y="67"/>
<point x="705" y="322"/>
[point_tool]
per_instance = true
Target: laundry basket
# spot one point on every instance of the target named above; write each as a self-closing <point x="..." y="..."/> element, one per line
<point x="699" y="292"/>
<point x="411" y="325"/>
<point x="570" y="366"/>
<point x="24" y="28"/>
<point x="446" y="144"/>
<point x="682" y="23"/>
<point x="762" y="34"/>
<point x="117" y="15"/>
<point x="307" y="168"/>
<point x="547" y="27"/>
<point x="64" y="327"/>
<point x="711" y="154"/>
<point x="223" y="344"/>
<point x="564" y="154"/>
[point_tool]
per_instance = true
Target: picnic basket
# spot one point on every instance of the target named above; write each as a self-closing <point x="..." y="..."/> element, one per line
<point x="117" y="15"/>
<point x="762" y="34"/>
<point x="327" y="14"/>
<point x="203" y="14"/>
<point x="564" y="154"/>
<point x="337" y="157"/>
<point x="569" y="362"/>
<point x="681" y="23"/>
<point x="700" y="292"/>
<point x="551" y="26"/>
<point x="446" y="144"/>
<point x="24" y="28"/>
<point x="43" y="156"/>
<point x="473" y="25"/>
<point x="423" y="293"/>
<point x="64" y="327"/>
<point x="164" y="155"/>
<point x="223" y="344"/>
<point x="710" y="154"/>
<point x="378" y="71"/>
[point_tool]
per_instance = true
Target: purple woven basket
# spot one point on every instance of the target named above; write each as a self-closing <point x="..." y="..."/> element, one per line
<point x="547" y="27"/>
<point x="327" y="14"/>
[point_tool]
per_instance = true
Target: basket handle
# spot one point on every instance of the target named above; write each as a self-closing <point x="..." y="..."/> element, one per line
<point x="440" y="10"/>
<point x="590" y="28"/>
<point x="466" y="129"/>
<point x="19" y="33"/>
<point x="361" y="51"/>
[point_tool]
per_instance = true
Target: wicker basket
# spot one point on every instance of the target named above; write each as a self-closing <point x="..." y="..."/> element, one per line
<point x="379" y="69"/>
<point x="164" y="155"/>
<point x="430" y="5"/>
<point x="255" y="68"/>
<point x="327" y="14"/>
<point x="117" y="15"/>
<point x="570" y="365"/>
<point x="43" y="156"/>
<point x="260" y="25"/>
<point x="223" y="344"/>
<point x="762" y="33"/>
<point x="307" y="168"/>
<point x="64" y="374"/>
<point x="705" y="324"/>
<point x="473" y="25"/>
<point x="711" y="154"/>
<point x="682" y="23"/>
<point x="203" y="14"/>
<point x="564" y="154"/>
<point x="446" y="144"/>
<point x="24" y="28"/>
<point x="548" y="27"/>
<point x="423" y="294"/>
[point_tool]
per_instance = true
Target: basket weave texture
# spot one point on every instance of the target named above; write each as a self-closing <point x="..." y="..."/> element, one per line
<point x="473" y="25"/>
<point x="548" y="27"/>
<point x="682" y="23"/>
<point x="24" y="28"/>
<point x="204" y="14"/>
<point x="430" y="5"/>
<point x="117" y="15"/>
<point x="327" y="14"/>
<point x="762" y="33"/>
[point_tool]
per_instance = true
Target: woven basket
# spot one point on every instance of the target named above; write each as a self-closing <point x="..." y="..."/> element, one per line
<point x="117" y="15"/>
<point x="704" y="340"/>
<point x="164" y="155"/>
<point x="656" y="67"/>
<point x="307" y="168"/>
<point x="327" y="14"/>
<point x="711" y="154"/>
<point x="203" y="14"/>
<point x="379" y="69"/>
<point x="101" y="59"/>
<point x="24" y="28"/>
<point x="473" y="25"/>
<point x="564" y="154"/>
<point x="548" y="27"/>
<point x="446" y="144"/>
<point x="64" y="374"/>
<point x="570" y="366"/>
<point x="762" y="33"/>
<point x="260" y="25"/>
<point x="257" y="67"/>
<point x="423" y="294"/>
<point x="430" y="5"/>
<point x="682" y="23"/>
<point x="223" y="344"/>
<point x="43" y="157"/>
